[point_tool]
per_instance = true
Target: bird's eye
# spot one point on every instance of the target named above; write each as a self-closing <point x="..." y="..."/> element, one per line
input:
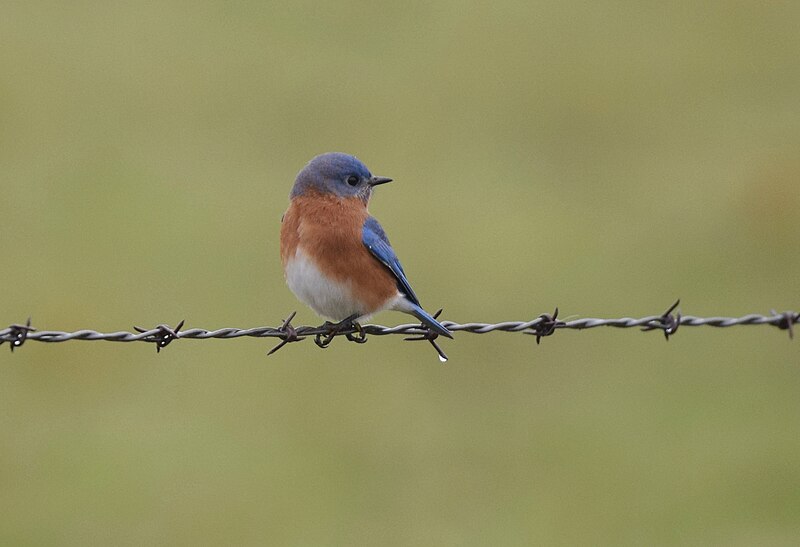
<point x="352" y="180"/>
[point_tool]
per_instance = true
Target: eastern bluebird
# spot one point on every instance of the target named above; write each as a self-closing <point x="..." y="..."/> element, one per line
<point x="336" y="257"/>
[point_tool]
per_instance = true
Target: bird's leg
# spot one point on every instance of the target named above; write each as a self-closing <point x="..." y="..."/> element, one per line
<point x="333" y="329"/>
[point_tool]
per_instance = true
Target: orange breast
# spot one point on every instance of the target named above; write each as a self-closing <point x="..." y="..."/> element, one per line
<point x="327" y="229"/>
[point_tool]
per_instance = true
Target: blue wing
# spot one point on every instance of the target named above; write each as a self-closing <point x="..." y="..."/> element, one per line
<point x="374" y="239"/>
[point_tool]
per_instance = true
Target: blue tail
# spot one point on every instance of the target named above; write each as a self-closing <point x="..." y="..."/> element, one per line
<point x="429" y="321"/>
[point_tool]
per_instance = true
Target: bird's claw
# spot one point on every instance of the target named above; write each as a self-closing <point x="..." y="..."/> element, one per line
<point x="332" y="330"/>
<point x="361" y="337"/>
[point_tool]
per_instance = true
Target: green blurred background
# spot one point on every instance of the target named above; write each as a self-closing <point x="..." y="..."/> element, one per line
<point x="606" y="158"/>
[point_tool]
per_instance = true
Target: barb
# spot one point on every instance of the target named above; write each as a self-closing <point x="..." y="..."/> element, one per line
<point x="788" y="319"/>
<point x="668" y="323"/>
<point x="543" y="325"/>
<point x="17" y="334"/>
<point x="288" y="334"/>
<point x="431" y="336"/>
<point x="547" y="326"/>
<point x="162" y="335"/>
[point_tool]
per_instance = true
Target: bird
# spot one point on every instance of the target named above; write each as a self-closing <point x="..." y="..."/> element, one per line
<point x="336" y="257"/>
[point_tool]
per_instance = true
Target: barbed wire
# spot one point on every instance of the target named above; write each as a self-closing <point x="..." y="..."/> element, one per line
<point x="544" y="325"/>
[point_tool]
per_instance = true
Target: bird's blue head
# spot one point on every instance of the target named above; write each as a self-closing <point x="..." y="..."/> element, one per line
<point x="339" y="174"/>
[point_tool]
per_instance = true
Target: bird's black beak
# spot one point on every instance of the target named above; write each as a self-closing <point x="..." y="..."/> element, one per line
<point x="375" y="181"/>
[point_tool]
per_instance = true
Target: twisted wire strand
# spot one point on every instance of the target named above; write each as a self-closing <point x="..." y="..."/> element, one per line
<point x="16" y="334"/>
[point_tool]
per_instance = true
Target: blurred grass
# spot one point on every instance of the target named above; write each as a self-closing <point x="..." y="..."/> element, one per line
<point x="606" y="158"/>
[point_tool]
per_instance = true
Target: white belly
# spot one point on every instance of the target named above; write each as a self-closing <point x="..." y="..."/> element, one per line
<point x="330" y="299"/>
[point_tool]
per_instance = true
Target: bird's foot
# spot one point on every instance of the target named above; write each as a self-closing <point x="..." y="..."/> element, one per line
<point x="360" y="336"/>
<point x="332" y="330"/>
